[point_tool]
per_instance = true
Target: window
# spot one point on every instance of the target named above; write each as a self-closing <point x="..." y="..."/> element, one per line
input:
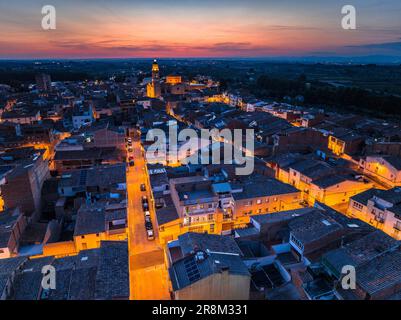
<point x="212" y="227"/>
<point x="259" y="201"/>
<point x="357" y="206"/>
<point x="82" y="237"/>
<point x="210" y="217"/>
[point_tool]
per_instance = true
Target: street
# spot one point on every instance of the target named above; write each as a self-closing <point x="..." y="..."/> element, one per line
<point x="148" y="275"/>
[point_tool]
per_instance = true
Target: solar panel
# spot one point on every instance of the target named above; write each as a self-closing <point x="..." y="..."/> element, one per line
<point x="82" y="177"/>
<point x="192" y="270"/>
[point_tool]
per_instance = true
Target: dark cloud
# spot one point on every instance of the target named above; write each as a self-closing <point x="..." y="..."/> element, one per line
<point x="391" y="46"/>
<point x="115" y="46"/>
<point x="322" y="53"/>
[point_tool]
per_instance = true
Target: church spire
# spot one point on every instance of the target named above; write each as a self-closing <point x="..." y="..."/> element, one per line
<point x="155" y="70"/>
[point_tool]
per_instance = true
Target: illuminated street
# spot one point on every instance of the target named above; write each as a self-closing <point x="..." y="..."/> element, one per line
<point x="148" y="276"/>
<point x="190" y="156"/>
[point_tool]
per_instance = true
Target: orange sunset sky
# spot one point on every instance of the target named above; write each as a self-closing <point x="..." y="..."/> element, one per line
<point x="258" y="28"/>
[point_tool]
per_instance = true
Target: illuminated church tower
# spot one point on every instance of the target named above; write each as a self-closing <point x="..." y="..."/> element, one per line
<point x="155" y="71"/>
<point x="153" y="89"/>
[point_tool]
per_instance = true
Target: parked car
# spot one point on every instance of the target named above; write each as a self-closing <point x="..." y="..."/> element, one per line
<point x="130" y="149"/>
<point x="131" y="163"/>
<point x="143" y="187"/>
<point x="148" y="225"/>
<point x="145" y="206"/>
<point x="147" y="213"/>
<point x="150" y="234"/>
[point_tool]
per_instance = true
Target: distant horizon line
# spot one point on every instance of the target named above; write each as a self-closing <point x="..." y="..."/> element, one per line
<point x="311" y="58"/>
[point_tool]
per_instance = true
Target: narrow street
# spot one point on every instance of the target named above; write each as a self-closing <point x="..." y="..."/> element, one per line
<point x="148" y="275"/>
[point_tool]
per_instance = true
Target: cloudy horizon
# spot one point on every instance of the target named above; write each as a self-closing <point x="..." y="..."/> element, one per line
<point x="178" y="29"/>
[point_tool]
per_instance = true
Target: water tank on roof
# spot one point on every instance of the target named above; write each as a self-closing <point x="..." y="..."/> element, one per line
<point x="200" y="256"/>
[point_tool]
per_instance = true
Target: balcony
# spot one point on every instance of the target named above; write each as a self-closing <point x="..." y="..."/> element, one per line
<point x="397" y="226"/>
<point x="199" y="211"/>
<point x="187" y="223"/>
<point x="379" y="219"/>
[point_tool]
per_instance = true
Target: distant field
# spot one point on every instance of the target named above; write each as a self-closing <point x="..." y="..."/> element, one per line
<point x="383" y="78"/>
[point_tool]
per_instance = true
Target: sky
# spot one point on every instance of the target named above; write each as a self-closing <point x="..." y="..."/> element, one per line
<point x="202" y="28"/>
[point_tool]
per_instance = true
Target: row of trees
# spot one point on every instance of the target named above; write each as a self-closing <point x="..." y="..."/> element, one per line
<point x="318" y="93"/>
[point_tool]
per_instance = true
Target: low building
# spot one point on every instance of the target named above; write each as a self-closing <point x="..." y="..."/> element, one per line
<point x="86" y="158"/>
<point x="297" y="139"/>
<point x="314" y="233"/>
<point x="173" y="79"/>
<point x="25" y="172"/>
<point x="260" y="197"/>
<point x="21" y="116"/>
<point x="168" y="221"/>
<point x="269" y="226"/>
<point x="387" y="169"/>
<point x="99" y="222"/>
<point x="195" y="202"/>
<point x="97" y="274"/>
<point x="380" y="278"/>
<point x="358" y="252"/>
<point x="12" y="225"/>
<point x="201" y="204"/>
<point x="337" y="189"/>
<point x="158" y="179"/>
<point x="345" y="142"/>
<point x="82" y="115"/>
<point x="98" y="182"/>
<point x="207" y="267"/>
<point x="104" y="135"/>
<point x="320" y="181"/>
<point x="379" y="208"/>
